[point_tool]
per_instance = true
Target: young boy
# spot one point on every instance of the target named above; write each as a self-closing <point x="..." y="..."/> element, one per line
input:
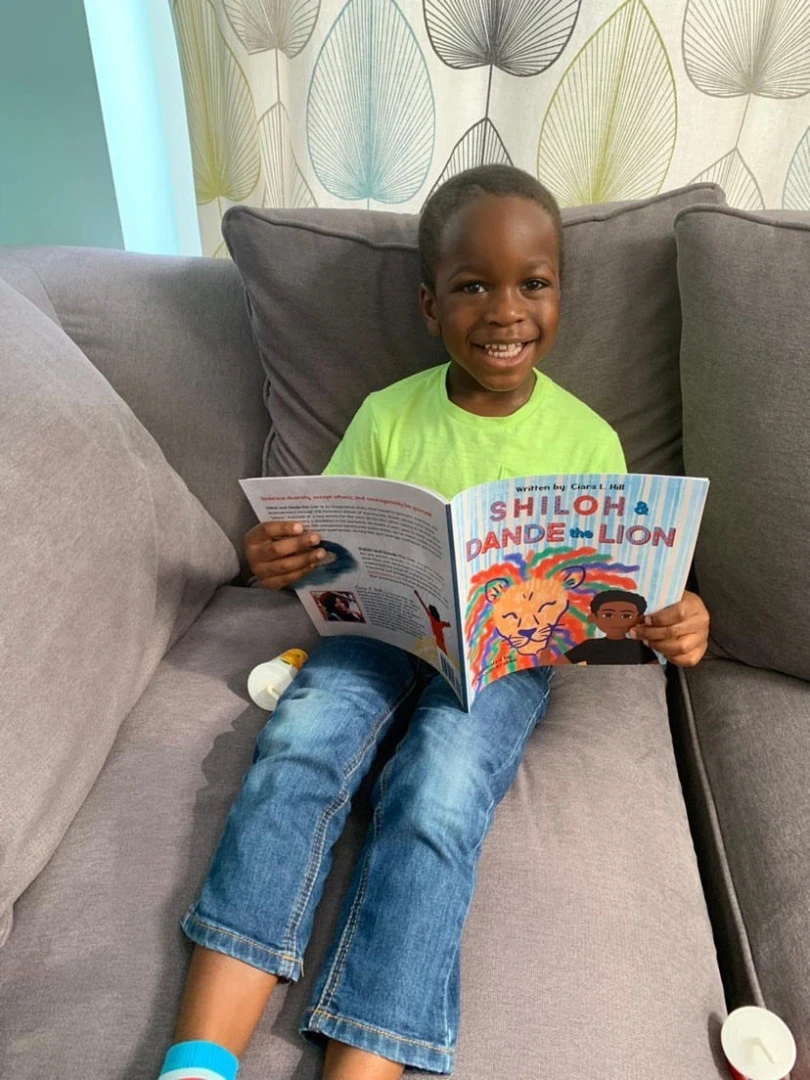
<point x="615" y="612"/>
<point x="490" y="243"/>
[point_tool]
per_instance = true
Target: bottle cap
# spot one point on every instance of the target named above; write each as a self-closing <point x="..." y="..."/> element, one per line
<point x="296" y="657"/>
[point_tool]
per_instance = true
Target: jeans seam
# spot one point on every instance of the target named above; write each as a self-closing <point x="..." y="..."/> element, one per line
<point x="326" y="1015"/>
<point x="317" y="849"/>
<point x="479" y="845"/>
<point x="211" y="927"/>
<point x="346" y="938"/>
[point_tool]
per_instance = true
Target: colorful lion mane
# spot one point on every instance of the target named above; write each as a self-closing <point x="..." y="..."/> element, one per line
<point x="488" y="649"/>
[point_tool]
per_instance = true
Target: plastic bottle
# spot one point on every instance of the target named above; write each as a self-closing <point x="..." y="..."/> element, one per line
<point x="268" y="681"/>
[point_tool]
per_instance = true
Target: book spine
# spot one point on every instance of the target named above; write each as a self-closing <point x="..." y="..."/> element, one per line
<point x="462" y="644"/>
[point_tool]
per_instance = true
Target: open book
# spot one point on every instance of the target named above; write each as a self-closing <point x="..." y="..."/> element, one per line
<point x="505" y="576"/>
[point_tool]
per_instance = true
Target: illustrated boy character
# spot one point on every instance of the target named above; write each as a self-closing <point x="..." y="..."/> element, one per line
<point x="615" y="612"/>
<point x="437" y="627"/>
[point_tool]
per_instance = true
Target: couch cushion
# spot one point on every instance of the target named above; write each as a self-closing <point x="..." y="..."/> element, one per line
<point x="17" y="271"/>
<point x="744" y="281"/>
<point x="172" y="337"/>
<point x="333" y="306"/>
<point x="747" y="741"/>
<point x="107" y="559"/>
<point x="588" y="941"/>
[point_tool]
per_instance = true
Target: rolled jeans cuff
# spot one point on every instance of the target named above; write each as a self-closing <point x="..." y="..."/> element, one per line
<point x="318" y="1024"/>
<point x="230" y="943"/>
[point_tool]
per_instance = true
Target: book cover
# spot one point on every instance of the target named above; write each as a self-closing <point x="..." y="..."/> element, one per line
<point x="557" y="570"/>
<point x="505" y="576"/>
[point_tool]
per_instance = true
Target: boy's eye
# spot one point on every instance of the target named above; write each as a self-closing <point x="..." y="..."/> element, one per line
<point x="475" y="287"/>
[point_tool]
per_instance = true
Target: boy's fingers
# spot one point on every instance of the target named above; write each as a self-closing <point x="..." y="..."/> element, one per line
<point x="280" y="580"/>
<point x="267" y="550"/>
<point x="686" y="651"/>
<point x="276" y="529"/>
<point x="276" y="568"/>
<point x="681" y="612"/>
<point x="669" y="616"/>
<point x="295" y="545"/>
<point x="675" y="630"/>
<point x="267" y="532"/>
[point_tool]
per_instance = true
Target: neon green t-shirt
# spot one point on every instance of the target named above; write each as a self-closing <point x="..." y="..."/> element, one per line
<point x="412" y="431"/>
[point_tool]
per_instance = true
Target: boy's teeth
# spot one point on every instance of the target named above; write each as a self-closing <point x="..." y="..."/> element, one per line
<point x="504" y="350"/>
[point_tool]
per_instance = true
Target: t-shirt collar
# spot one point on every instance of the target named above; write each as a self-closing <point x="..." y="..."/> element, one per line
<point x="463" y="416"/>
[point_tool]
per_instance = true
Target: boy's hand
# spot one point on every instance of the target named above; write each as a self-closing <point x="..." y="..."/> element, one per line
<point x="280" y="553"/>
<point x="679" y="632"/>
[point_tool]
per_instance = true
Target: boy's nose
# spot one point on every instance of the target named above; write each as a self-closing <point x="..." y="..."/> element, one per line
<point x="506" y="308"/>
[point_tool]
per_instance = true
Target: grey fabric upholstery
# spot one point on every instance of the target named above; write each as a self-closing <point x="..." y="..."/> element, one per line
<point x="587" y="952"/>
<point x="172" y="337"/>
<point x="332" y="297"/>
<point x="745" y="745"/>
<point x="16" y="270"/>
<point x="745" y="280"/>
<point x="107" y="560"/>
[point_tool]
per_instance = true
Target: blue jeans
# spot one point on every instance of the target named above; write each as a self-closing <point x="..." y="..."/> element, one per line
<point x="390" y="984"/>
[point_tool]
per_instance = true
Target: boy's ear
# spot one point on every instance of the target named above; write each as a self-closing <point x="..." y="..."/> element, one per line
<point x="427" y="305"/>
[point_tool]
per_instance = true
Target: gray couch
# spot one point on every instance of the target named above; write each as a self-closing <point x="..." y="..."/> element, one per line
<point x="135" y="392"/>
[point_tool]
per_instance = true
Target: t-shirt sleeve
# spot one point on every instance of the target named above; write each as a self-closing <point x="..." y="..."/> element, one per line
<point x="358" y="452"/>
<point x="610" y="455"/>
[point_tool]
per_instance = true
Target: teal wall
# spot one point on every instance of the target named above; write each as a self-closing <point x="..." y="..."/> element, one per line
<point x="56" y="185"/>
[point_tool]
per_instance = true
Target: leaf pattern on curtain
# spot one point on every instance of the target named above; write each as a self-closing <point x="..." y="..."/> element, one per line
<point x="285" y="183"/>
<point x="264" y="25"/>
<point x="609" y="131"/>
<point x="370" y="111"/>
<point x="480" y="145"/>
<point x="736" y="180"/>
<point x="732" y="48"/>
<point x="521" y="37"/>
<point x="384" y="99"/>
<point x="221" y="117"/>
<point x="796" y="195"/>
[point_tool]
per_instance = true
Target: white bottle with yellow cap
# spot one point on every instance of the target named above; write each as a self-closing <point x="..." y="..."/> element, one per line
<point x="268" y="681"/>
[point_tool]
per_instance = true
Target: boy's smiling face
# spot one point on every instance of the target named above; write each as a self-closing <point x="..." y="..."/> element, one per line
<point x="615" y="618"/>
<point x="496" y="301"/>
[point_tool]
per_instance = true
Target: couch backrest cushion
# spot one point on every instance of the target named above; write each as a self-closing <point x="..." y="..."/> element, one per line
<point x="745" y="371"/>
<point x="172" y="337"/>
<point x="332" y="299"/>
<point x="107" y="560"/>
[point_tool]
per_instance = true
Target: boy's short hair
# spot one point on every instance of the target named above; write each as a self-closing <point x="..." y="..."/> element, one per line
<point x="614" y="596"/>
<point x="471" y="184"/>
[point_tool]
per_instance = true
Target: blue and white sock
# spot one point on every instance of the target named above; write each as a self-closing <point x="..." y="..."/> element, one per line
<point x="198" y="1060"/>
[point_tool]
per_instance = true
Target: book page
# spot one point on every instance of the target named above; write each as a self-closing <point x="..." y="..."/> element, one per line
<point x="390" y="574"/>
<point x="534" y="556"/>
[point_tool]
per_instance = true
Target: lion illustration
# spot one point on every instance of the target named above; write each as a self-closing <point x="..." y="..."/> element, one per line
<point x="525" y="612"/>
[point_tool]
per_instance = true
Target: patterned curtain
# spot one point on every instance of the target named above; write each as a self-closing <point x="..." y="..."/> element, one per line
<point x="373" y="102"/>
